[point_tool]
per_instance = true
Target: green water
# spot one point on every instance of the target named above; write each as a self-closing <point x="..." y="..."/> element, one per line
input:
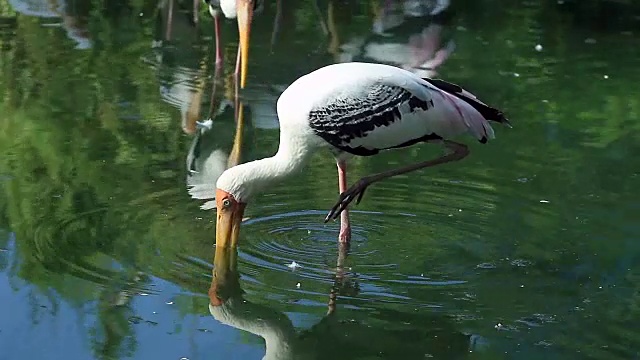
<point x="524" y="250"/>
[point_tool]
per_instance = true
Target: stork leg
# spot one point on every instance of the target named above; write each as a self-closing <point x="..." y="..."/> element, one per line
<point x="196" y="11"/>
<point x="167" y="35"/>
<point x="345" y="227"/>
<point x="216" y="22"/>
<point x="237" y="71"/>
<point x="357" y="190"/>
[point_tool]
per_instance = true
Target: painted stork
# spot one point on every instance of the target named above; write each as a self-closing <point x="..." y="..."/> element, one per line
<point x="354" y="109"/>
<point x="243" y="10"/>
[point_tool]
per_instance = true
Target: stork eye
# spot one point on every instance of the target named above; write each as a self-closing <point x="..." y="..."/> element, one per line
<point x="226" y="203"/>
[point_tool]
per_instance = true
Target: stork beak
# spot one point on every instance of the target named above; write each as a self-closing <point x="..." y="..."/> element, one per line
<point x="228" y="220"/>
<point x="225" y="277"/>
<point x="245" y="16"/>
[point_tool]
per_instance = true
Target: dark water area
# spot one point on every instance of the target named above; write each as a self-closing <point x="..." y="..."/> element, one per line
<point x="526" y="249"/>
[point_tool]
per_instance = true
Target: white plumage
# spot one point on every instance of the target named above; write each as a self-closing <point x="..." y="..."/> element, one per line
<point x="332" y="84"/>
<point x="361" y="109"/>
<point x="229" y="7"/>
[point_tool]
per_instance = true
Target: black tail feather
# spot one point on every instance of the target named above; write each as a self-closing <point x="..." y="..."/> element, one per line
<point x="486" y="111"/>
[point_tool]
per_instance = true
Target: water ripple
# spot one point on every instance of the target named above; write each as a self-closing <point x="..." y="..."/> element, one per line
<point x="55" y="246"/>
<point x="452" y="211"/>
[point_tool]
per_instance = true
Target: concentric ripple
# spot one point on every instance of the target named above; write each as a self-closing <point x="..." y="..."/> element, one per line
<point x="396" y="230"/>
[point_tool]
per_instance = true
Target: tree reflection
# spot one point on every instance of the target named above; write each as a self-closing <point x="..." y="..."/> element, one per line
<point x="93" y="153"/>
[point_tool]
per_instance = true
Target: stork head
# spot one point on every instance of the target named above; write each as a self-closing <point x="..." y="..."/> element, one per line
<point x="234" y="188"/>
<point x="229" y="217"/>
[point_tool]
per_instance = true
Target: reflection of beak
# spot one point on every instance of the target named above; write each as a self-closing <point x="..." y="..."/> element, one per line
<point x="234" y="156"/>
<point x="245" y="15"/>
<point x="228" y="225"/>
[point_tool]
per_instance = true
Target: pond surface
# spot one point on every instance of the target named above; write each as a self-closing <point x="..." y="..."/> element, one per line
<point x="526" y="249"/>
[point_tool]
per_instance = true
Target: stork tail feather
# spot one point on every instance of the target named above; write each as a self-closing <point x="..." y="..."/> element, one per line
<point x="488" y="112"/>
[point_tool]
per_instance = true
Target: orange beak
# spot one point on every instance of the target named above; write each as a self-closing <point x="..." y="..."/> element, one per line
<point x="245" y="16"/>
<point x="225" y="275"/>
<point x="228" y="221"/>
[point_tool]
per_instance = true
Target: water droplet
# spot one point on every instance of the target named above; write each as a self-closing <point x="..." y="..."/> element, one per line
<point x="538" y="47"/>
<point x="543" y="343"/>
<point x="520" y="262"/>
<point x="298" y="285"/>
<point x="486" y="265"/>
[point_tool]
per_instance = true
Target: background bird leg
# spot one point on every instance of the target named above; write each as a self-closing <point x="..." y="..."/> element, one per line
<point x="276" y="23"/>
<point x="196" y="11"/>
<point x="216" y="24"/>
<point x="167" y="35"/>
<point x="357" y="190"/>
<point x="345" y="226"/>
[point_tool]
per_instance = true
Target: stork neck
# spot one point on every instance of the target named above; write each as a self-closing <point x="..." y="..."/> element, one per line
<point x="249" y="178"/>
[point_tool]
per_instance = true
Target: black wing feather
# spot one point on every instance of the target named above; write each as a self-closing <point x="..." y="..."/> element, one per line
<point x="347" y="118"/>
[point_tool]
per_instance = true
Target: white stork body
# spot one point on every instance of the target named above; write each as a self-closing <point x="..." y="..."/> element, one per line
<point x="360" y="109"/>
<point x="363" y="108"/>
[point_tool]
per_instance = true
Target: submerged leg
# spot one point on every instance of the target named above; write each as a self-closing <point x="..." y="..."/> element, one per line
<point x="357" y="190"/>
<point x="345" y="226"/>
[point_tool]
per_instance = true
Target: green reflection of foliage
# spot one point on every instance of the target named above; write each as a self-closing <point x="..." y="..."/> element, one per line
<point x="89" y="185"/>
<point x="73" y="163"/>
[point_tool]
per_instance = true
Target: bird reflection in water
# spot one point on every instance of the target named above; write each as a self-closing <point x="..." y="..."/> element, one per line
<point x="72" y="23"/>
<point x="421" y="51"/>
<point x="337" y="335"/>
<point x="282" y="341"/>
<point x="180" y="62"/>
<point x="207" y="158"/>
